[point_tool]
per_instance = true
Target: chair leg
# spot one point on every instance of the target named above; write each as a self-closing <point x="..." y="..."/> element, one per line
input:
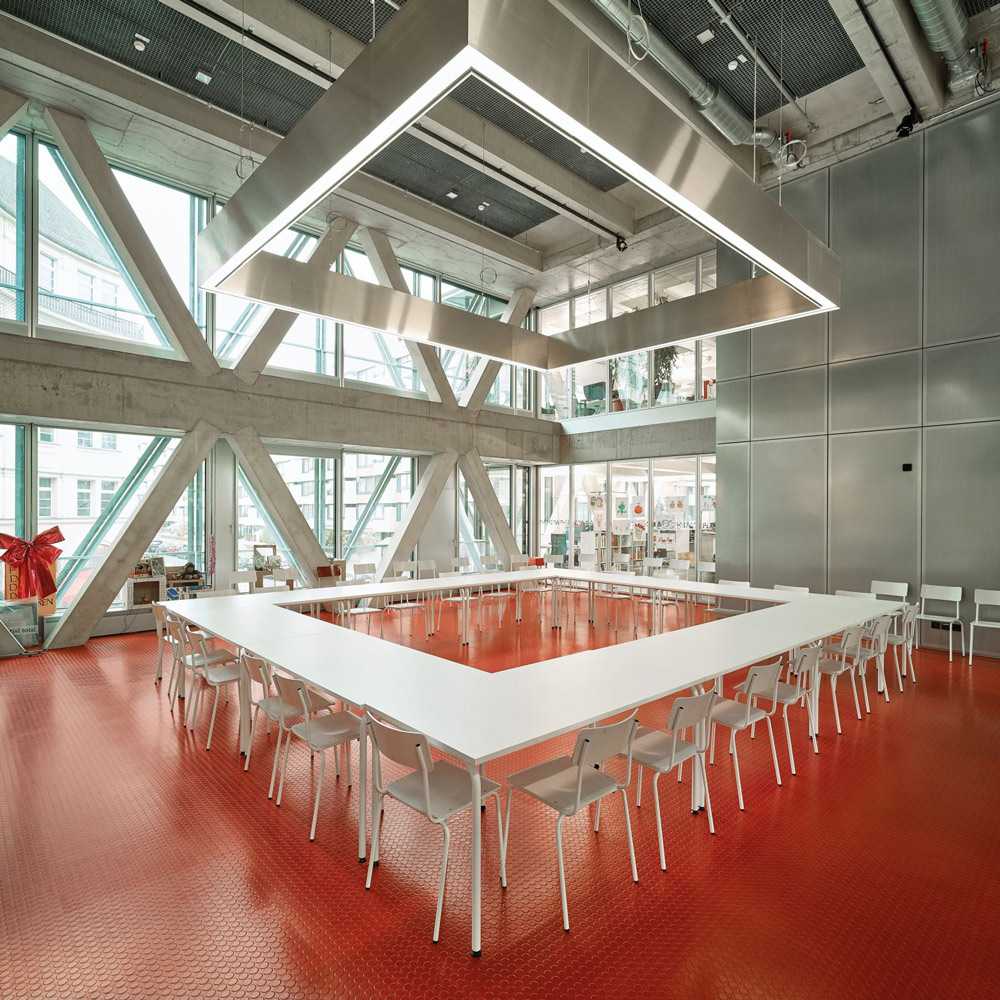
<point x="159" y="660"/>
<point x="774" y="752"/>
<point x="211" y="725"/>
<point x="506" y="820"/>
<point x="277" y="757"/>
<point x="961" y="635"/>
<point x="628" y="831"/>
<point x="659" y="824"/>
<point x="562" y="873"/>
<point x="284" y="767"/>
<point x="836" y="709"/>
<point x="373" y="851"/>
<point x="444" y="870"/>
<point x="319" y="785"/>
<point x="854" y="688"/>
<point x="950" y="641"/>
<point x="788" y="740"/>
<point x="501" y="840"/>
<point x="881" y="672"/>
<point x="253" y="730"/>
<point x="708" y="799"/>
<point x="638" y="790"/>
<point x="909" y="654"/>
<point x="171" y="684"/>
<point x="711" y="758"/>
<point x="864" y="689"/>
<point x="972" y="639"/>
<point x="736" y="771"/>
<point x="347" y="759"/>
<point x="896" y="656"/>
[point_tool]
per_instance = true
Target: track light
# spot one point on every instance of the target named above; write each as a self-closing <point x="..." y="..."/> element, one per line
<point x="907" y="124"/>
<point x="621" y="244"/>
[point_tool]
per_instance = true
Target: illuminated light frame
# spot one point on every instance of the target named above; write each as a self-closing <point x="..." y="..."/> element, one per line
<point x="535" y="56"/>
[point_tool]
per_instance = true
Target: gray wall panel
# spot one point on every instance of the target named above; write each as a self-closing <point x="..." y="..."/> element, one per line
<point x="732" y="552"/>
<point x="733" y="349"/>
<point x="801" y="342"/>
<point x="874" y="509"/>
<point x="961" y="485"/>
<point x="963" y="382"/>
<point x="788" y="513"/>
<point x="732" y="410"/>
<point x="962" y="238"/>
<point x="788" y="404"/>
<point x="875" y="228"/>
<point x="875" y="393"/>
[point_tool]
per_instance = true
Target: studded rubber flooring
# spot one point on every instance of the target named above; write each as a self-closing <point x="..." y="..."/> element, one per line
<point x="136" y="865"/>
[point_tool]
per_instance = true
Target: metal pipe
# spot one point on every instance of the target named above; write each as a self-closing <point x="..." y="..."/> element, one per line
<point x="947" y="30"/>
<point x="712" y="103"/>
<point x="726" y="18"/>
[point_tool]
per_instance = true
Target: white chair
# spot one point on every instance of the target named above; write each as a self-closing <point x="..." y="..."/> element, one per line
<point x="460" y="564"/>
<point x="408" y="602"/>
<point x="873" y="647"/>
<point x="186" y="658"/>
<point x="438" y="790"/>
<point x="218" y="668"/>
<point x="258" y="671"/>
<point x="453" y="597"/>
<point x="204" y="594"/>
<point x="718" y="608"/>
<point x="984" y="599"/>
<point x="318" y="732"/>
<point x="619" y="593"/>
<point x="241" y="576"/>
<point x="657" y="599"/>
<point x="541" y="588"/>
<point x="840" y="658"/>
<point x="286" y="575"/>
<point x="942" y="595"/>
<point x="802" y="670"/>
<point x="270" y="588"/>
<point x="661" y="751"/>
<point x="568" y="784"/>
<point x="349" y="610"/>
<point x="761" y="682"/>
<point x="160" y="621"/>
<point x="902" y="644"/>
<point x="407" y="569"/>
<point x="887" y="588"/>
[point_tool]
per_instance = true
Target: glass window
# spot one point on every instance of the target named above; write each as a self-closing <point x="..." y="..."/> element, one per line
<point x="254" y="527"/>
<point x="12" y="236"/>
<point x="674" y="373"/>
<point x="309" y="478"/>
<point x="70" y="235"/>
<point x="373" y="504"/>
<point x="590" y="308"/>
<point x="554" y="510"/>
<point x="674" y="282"/>
<point x="630" y="296"/>
<point x="708" y="368"/>
<point x="84" y="439"/>
<point x="12" y="480"/>
<point x="509" y="485"/>
<point x="590" y="388"/>
<point x="44" y="496"/>
<point x="108" y="489"/>
<point x="629" y="381"/>
<point x="181" y="539"/>
<point x="590" y="513"/>
<point x="674" y="499"/>
<point x="83" y="488"/>
<point x="555" y="392"/>
<point x="46" y="435"/>
<point x="706" y="554"/>
<point x="553" y="319"/>
<point x="46" y="272"/>
<point x="459" y="365"/>
<point x="709" y="278"/>
<point x="629" y="509"/>
<point x="109" y="442"/>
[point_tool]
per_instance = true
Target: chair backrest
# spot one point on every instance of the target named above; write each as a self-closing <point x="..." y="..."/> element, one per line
<point x="908" y="620"/>
<point x="762" y="680"/>
<point x="294" y="692"/>
<point x="984" y="599"/>
<point x="588" y="560"/>
<point x="215" y="593"/>
<point x="238" y="576"/>
<point x="792" y="590"/>
<point x="622" y="560"/>
<point x="405" y="747"/>
<point x="426" y="569"/>
<point x="518" y="562"/>
<point x="176" y="634"/>
<point x="555" y="560"/>
<point x="270" y="588"/>
<point x="850" y="641"/>
<point x="460" y="563"/>
<point x="364" y="571"/>
<point x="879" y="632"/>
<point x="854" y="593"/>
<point x="718" y="599"/>
<point x="652" y="564"/>
<point x="490" y="564"/>
<point x="285" y="573"/>
<point x="407" y="568"/>
<point x="805" y="662"/>
<point x="888" y="588"/>
<point x="599" y="743"/>
<point x="197" y="640"/>
<point x="256" y="670"/>
<point x="945" y="595"/>
<point x="734" y="583"/>
<point x="686" y="713"/>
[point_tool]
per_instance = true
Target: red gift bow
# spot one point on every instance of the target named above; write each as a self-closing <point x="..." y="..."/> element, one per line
<point x="33" y="560"/>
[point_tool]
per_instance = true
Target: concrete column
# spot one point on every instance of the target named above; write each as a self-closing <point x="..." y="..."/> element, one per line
<point x="108" y="200"/>
<point x="277" y="325"/>
<point x="223" y="512"/>
<point x="89" y="606"/>
<point x="425" y="359"/>
<point x="432" y="481"/>
<point x="12" y="106"/>
<point x="486" y="370"/>
<point x="488" y="505"/>
<point x="274" y="494"/>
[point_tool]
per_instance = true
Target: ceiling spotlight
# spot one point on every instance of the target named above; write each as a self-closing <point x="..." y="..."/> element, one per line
<point x="483" y="205"/>
<point x="621" y="244"/>
<point x="705" y="36"/>
<point x="139" y="42"/>
<point x="452" y="194"/>
<point x="203" y="75"/>
<point x="908" y="123"/>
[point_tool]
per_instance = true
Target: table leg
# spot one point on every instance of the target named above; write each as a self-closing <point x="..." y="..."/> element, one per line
<point x="465" y="616"/>
<point x="363" y="791"/>
<point x="554" y="584"/>
<point x="243" y="692"/>
<point x="477" y="861"/>
<point x="517" y="601"/>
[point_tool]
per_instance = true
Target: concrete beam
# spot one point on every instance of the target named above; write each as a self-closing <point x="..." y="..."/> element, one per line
<point x="486" y="370"/>
<point x="425" y="359"/>
<point x="12" y="106"/>
<point x="434" y="479"/>
<point x="106" y="197"/>
<point x="49" y="381"/>
<point x="277" y="325"/>
<point x="78" y="623"/>
<point x="273" y="492"/>
<point x="860" y="32"/>
<point x="488" y="506"/>
<point x="640" y="434"/>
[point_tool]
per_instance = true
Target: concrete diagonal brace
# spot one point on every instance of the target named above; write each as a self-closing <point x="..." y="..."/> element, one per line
<point x="471" y="465"/>
<point x="434" y="479"/>
<point x="106" y="197"/>
<point x="425" y="360"/>
<point x="12" y="106"/>
<point x="277" y="325"/>
<point x="274" y="494"/>
<point x="486" y="371"/>
<point x="89" y="606"/>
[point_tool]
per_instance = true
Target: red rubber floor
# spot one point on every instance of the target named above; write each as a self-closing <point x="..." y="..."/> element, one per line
<point x="135" y="864"/>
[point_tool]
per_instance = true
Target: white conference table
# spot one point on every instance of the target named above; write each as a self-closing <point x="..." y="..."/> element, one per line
<point x="476" y="716"/>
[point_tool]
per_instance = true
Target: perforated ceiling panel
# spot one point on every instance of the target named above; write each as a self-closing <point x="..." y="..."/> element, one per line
<point x="973" y="7"/>
<point x="801" y="39"/>
<point x="354" y="16"/>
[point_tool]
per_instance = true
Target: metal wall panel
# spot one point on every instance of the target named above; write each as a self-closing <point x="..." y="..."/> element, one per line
<point x="875" y="393"/>
<point x="732" y="410"/>
<point x="875" y="227"/>
<point x="788" y="404"/>
<point x="963" y="382"/>
<point x="788" y="513"/>
<point x="874" y="509"/>
<point x="799" y="342"/>
<point x="732" y="543"/>
<point x="733" y="349"/>
<point x="962" y="238"/>
<point x="961" y="534"/>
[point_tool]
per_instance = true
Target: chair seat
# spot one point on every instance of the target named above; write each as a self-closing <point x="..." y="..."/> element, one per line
<point x="787" y="694"/>
<point x="652" y="748"/>
<point x="554" y="783"/>
<point x="733" y="713"/>
<point x="980" y="624"/>
<point x="224" y="674"/>
<point x="833" y="665"/>
<point x="937" y="618"/>
<point x="272" y="706"/>
<point x="328" y="730"/>
<point x="195" y="661"/>
<point x="450" y="787"/>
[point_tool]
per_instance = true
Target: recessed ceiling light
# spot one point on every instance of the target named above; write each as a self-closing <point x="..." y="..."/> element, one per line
<point x="452" y="194"/>
<point x="203" y="75"/>
<point x="705" y="36"/>
<point x="733" y="65"/>
<point x="140" y="42"/>
<point x="483" y="205"/>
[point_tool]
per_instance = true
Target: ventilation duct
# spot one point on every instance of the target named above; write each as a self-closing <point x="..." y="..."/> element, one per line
<point x="712" y="103"/>
<point x="947" y="30"/>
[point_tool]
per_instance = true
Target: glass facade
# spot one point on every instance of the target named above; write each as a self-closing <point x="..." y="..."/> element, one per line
<point x="377" y="490"/>
<point x="13" y="193"/>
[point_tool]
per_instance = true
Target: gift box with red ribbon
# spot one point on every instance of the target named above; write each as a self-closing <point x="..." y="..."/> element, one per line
<point x="29" y="567"/>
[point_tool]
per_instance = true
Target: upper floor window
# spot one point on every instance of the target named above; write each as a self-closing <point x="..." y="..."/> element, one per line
<point x="109" y="442"/>
<point x="84" y="439"/>
<point x="85" y="283"/>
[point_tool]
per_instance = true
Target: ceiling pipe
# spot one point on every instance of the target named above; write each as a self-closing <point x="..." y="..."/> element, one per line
<point x="947" y="30"/>
<point x="712" y="103"/>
